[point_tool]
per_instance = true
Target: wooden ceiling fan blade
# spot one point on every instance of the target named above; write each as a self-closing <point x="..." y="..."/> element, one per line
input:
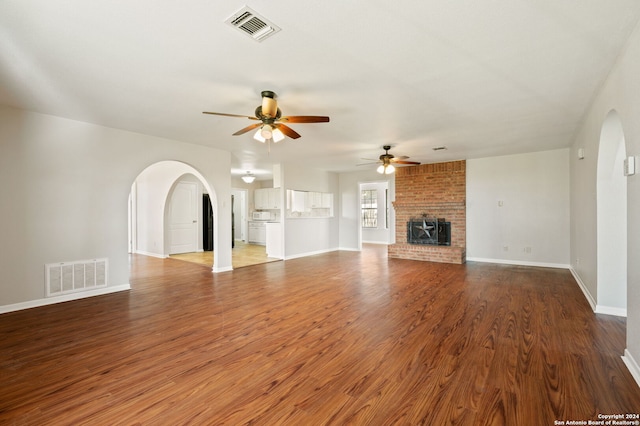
<point x="229" y="115"/>
<point x="394" y="161"/>
<point x="288" y="131"/>
<point x="305" y="119"/>
<point x="247" y="129"/>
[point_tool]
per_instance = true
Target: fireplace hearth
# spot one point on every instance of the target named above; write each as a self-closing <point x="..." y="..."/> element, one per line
<point x="432" y="231"/>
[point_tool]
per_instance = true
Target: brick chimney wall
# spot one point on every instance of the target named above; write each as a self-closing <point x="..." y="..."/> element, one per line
<point x="437" y="191"/>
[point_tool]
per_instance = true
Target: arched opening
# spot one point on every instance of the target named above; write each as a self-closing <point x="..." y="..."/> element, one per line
<point x="166" y="213"/>
<point x="172" y="211"/>
<point x="611" y="219"/>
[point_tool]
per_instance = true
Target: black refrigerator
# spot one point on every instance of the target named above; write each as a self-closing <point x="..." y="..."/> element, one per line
<point x="207" y="225"/>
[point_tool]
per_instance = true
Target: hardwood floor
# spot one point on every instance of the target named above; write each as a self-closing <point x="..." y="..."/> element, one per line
<point x="338" y="338"/>
<point x="243" y="254"/>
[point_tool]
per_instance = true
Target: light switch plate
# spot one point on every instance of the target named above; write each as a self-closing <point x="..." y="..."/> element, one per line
<point x="630" y="166"/>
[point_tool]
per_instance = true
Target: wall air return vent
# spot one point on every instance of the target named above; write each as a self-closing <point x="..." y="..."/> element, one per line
<point x="72" y="277"/>
<point x="252" y="24"/>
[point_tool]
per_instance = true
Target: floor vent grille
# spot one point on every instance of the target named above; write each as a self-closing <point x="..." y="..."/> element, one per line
<point x="72" y="277"/>
<point x="255" y="26"/>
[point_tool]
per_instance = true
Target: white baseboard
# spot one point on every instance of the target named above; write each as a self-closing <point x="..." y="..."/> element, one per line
<point x="585" y="291"/>
<point x="632" y="365"/>
<point x="311" y="253"/>
<point x="63" y="298"/>
<point x="349" y="249"/>
<point x="147" y="253"/>
<point x="610" y="310"/>
<point x="519" y="262"/>
<point x="226" y="269"/>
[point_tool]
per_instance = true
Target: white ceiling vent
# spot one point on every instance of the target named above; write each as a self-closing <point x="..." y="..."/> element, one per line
<point x="252" y="24"/>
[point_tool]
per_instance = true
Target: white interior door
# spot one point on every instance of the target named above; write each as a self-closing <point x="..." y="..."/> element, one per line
<point x="183" y="218"/>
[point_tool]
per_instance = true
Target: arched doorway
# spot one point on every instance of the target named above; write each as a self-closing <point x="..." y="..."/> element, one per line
<point x="150" y="208"/>
<point x="611" y="219"/>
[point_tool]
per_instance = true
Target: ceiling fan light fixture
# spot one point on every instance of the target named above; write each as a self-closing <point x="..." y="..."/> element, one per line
<point x="258" y="136"/>
<point x="277" y="135"/>
<point x="249" y="177"/>
<point x="386" y="169"/>
<point x="266" y="131"/>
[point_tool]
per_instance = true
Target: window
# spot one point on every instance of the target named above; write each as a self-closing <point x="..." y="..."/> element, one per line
<point x="369" y="204"/>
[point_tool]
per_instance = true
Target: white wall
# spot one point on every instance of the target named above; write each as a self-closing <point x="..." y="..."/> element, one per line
<point x="620" y="92"/>
<point x="612" y="219"/>
<point x="306" y="236"/>
<point x="65" y="187"/>
<point x="518" y="209"/>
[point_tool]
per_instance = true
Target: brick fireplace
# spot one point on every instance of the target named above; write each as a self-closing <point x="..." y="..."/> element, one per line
<point x="431" y="193"/>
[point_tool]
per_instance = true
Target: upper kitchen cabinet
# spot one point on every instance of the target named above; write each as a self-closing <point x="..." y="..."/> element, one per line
<point x="267" y="199"/>
<point x="309" y="204"/>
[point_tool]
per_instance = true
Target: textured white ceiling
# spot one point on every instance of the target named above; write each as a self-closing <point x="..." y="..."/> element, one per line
<point x="481" y="77"/>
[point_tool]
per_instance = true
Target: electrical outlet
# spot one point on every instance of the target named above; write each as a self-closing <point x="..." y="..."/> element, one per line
<point x="527" y="249"/>
<point x="505" y="248"/>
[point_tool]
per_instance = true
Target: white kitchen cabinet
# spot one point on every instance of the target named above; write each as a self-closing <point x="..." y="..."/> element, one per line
<point x="274" y="198"/>
<point x="319" y="200"/>
<point x="260" y="199"/>
<point x="327" y="200"/>
<point x="267" y="199"/>
<point x="308" y="204"/>
<point x="257" y="233"/>
<point x="315" y="200"/>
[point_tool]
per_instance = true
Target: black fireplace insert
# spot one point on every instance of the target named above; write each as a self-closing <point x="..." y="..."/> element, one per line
<point x="430" y="231"/>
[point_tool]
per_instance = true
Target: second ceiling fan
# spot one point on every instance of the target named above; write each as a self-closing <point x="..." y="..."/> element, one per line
<point x="271" y="126"/>
<point x="387" y="161"/>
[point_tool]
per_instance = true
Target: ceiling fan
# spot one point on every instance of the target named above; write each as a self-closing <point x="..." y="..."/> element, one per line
<point x="271" y="125"/>
<point x="387" y="161"/>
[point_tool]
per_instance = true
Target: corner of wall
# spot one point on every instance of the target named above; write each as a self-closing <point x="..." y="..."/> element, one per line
<point x="584" y="289"/>
<point x="632" y="365"/>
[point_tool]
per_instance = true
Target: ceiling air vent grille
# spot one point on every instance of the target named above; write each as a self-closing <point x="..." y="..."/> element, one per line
<point x="252" y="24"/>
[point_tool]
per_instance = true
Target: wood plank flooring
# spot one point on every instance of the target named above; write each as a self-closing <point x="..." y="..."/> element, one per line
<point x="242" y="255"/>
<point x="338" y="338"/>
